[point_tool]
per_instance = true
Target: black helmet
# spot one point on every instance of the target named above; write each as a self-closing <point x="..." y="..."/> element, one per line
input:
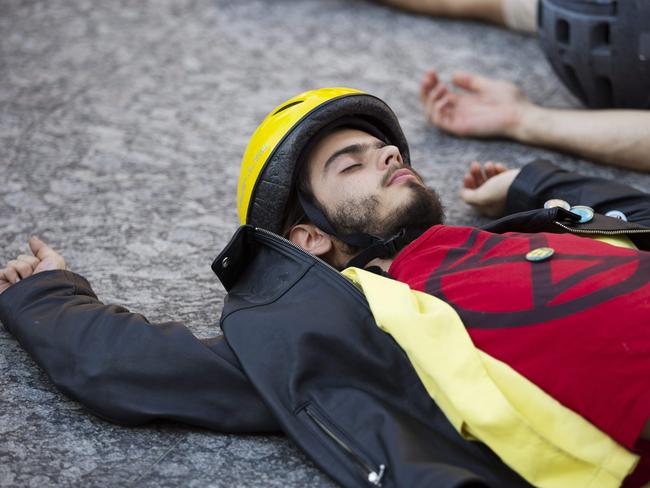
<point x="600" y="49"/>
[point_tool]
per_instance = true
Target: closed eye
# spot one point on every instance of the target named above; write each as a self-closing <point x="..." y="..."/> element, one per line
<point x="351" y="167"/>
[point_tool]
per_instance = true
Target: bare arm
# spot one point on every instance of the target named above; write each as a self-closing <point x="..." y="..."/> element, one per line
<point x="486" y="10"/>
<point x="617" y="137"/>
<point x="496" y="108"/>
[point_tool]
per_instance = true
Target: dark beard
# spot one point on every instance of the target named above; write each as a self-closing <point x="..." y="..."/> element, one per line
<point x="360" y="216"/>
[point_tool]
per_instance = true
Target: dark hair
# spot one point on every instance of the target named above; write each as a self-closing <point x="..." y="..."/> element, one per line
<point x="294" y="213"/>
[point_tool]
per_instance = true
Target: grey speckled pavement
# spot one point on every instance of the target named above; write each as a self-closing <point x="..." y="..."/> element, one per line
<point x="122" y="125"/>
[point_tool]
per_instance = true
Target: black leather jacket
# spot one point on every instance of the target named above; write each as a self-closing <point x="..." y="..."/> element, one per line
<point x="301" y="354"/>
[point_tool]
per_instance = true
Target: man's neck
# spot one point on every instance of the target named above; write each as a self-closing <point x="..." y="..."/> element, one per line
<point x="382" y="263"/>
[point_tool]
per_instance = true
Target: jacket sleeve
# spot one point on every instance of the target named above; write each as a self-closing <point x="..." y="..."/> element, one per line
<point x="123" y="368"/>
<point x="541" y="180"/>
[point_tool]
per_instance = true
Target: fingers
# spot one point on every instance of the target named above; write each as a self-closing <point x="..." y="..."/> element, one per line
<point x="470" y="82"/>
<point x="489" y="169"/>
<point x="477" y="175"/>
<point x="443" y="111"/>
<point x="39" y="248"/>
<point x="474" y="176"/>
<point x="49" y="259"/>
<point x="439" y="102"/>
<point x="468" y="182"/>
<point x="4" y="281"/>
<point x="11" y="275"/>
<point x="24" y="265"/>
<point x="20" y="268"/>
<point x="30" y="260"/>
<point x="429" y="81"/>
<point x="23" y="268"/>
<point x="435" y="96"/>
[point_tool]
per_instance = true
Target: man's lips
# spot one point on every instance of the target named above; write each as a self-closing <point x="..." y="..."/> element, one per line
<point x="401" y="175"/>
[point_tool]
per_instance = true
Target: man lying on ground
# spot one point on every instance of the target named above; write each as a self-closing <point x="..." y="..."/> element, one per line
<point x="330" y="169"/>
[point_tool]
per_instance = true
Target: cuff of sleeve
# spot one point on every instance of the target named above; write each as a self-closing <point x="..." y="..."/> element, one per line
<point x="14" y="296"/>
<point x="523" y="194"/>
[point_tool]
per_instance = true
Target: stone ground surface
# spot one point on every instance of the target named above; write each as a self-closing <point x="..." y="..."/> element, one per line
<point x="122" y="125"/>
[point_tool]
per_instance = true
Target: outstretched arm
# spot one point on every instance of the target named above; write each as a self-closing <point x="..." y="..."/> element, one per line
<point x="485" y="10"/>
<point x="115" y="362"/>
<point x="493" y="108"/>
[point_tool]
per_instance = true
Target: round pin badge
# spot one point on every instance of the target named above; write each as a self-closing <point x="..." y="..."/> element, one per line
<point x="617" y="214"/>
<point x="556" y="202"/>
<point x="540" y="254"/>
<point x="586" y="213"/>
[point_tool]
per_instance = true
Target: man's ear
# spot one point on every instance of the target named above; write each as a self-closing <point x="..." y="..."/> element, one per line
<point x="311" y="239"/>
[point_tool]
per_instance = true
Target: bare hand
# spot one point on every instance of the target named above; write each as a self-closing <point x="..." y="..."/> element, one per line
<point x="44" y="259"/>
<point x="486" y="188"/>
<point x="485" y="107"/>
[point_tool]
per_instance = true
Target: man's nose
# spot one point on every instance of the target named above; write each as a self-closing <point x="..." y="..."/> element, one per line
<point x="389" y="156"/>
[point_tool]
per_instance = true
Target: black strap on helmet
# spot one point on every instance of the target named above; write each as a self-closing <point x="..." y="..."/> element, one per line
<point x="386" y="248"/>
<point x="372" y="246"/>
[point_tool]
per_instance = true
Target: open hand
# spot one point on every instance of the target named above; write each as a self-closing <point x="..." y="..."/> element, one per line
<point x="484" y="107"/>
<point x="486" y="187"/>
<point x="44" y="259"/>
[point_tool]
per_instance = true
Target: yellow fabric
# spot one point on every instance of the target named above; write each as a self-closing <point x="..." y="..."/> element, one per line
<point x="618" y="241"/>
<point x="545" y="442"/>
<point x="270" y="133"/>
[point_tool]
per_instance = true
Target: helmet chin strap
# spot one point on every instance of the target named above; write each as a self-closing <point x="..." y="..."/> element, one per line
<point x="372" y="246"/>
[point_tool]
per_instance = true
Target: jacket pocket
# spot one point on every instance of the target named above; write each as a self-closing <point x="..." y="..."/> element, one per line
<point x="343" y="445"/>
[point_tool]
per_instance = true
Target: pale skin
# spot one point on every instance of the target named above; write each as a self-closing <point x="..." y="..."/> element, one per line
<point x="485" y="10"/>
<point x="484" y="187"/>
<point x="476" y="106"/>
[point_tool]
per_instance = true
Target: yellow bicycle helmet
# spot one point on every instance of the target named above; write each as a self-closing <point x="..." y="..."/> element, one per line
<point x="272" y="158"/>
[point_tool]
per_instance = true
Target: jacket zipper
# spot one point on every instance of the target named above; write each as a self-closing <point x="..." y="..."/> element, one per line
<point x="603" y="232"/>
<point x="340" y="278"/>
<point x="374" y="476"/>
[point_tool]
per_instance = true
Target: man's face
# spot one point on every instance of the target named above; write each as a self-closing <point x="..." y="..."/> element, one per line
<point x="364" y="186"/>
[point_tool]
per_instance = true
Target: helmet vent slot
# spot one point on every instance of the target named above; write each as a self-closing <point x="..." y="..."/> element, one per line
<point x="600" y="36"/>
<point x="562" y="31"/>
<point x="288" y="105"/>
